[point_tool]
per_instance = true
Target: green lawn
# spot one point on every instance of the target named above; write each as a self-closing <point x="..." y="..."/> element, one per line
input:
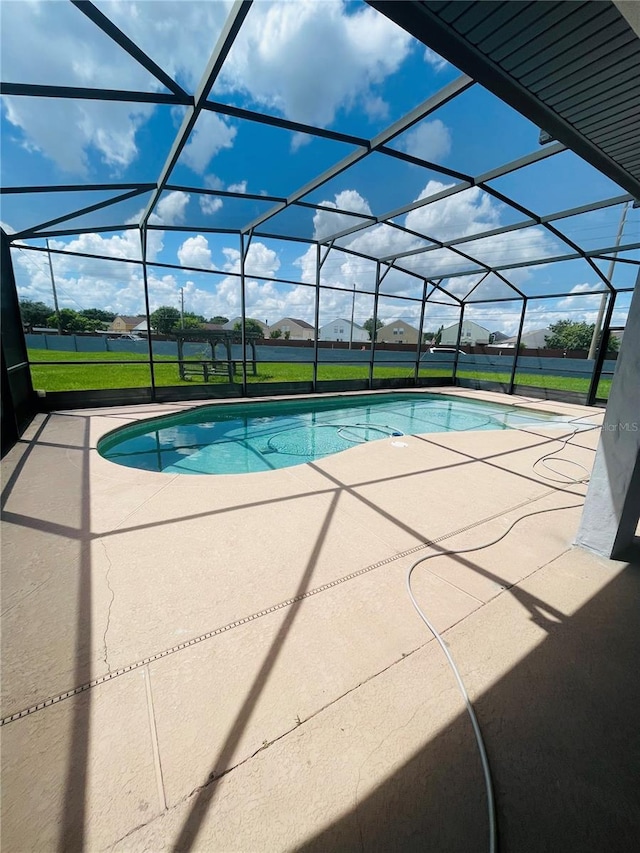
<point x="82" y="377"/>
<point x="541" y="380"/>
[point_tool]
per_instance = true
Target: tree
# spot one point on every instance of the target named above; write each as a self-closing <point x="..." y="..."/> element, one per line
<point x="219" y="320"/>
<point x="190" y="321"/>
<point x="438" y="336"/>
<point x="368" y="325"/>
<point x="252" y="328"/>
<point x="71" y="321"/>
<point x="98" y="314"/>
<point x="275" y="333"/>
<point x="570" y="335"/>
<point x="35" y="313"/>
<point x="164" y="319"/>
<point x="287" y="335"/>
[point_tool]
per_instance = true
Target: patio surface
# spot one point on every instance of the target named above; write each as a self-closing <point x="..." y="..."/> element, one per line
<point x="247" y="670"/>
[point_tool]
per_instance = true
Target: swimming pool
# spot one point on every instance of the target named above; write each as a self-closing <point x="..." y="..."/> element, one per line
<point x="240" y="438"/>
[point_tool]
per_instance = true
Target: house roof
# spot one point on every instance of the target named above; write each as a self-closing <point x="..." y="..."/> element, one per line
<point x="231" y="323"/>
<point x="466" y="320"/>
<point x="532" y="334"/>
<point x="395" y="322"/>
<point x="302" y="323"/>
<point x="342" y="320"/>
<point x="127" y="319"/>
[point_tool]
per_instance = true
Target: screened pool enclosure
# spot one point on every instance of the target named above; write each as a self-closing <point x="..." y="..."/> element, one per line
<point x="304" y="176"/>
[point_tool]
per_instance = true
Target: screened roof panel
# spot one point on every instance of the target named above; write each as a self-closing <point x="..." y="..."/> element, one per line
<point x="443" y="293"/>
<point x="378" y="184"/>
<point x="461" y="286"/>
<point x="515" y="247"/>
<point x="557" y="277"/>
<point x="119" y="213"/>
<point x="501" y="134"/>
<point x="179" y="37"/>
<point x="599" y="229"/>
<point x="226" y="153"/>
<point x="621" y="275"/>
<point x="205" y="210"/>
<point x="382" y="239"/>
<point x="399" y="283"/>
<point x="327" y="223"/>
<point x="114" y="243"/>
<point x="55" y="44"/>
<point x="344" y="270"/>
<point x="354" y="60"/>
<point x="26" y="210"/>
<point x="462" y="214"/>
<point x="438" y="264"/>
<point x="544" y="188"/>
<point x="490" y="288"/>
<point x="54" y="141"/>
<point x="296" y="222"/>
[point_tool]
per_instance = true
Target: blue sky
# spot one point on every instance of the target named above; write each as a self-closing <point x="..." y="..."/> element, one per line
<point x="325" y="63"/>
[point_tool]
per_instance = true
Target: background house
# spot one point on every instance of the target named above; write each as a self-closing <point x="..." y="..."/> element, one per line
<point x="343" y="330"/>
<point x="123" y="324"/>
<point x="299" y="330"/>
<point x="397" y="332"/>
<point x="472" y="334"/>
<point x="535" y="339"/>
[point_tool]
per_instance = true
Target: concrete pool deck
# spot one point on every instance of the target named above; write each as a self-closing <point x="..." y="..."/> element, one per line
<point x="247" y="670"/>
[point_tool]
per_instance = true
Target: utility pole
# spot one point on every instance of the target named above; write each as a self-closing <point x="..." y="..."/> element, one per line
<point x="353" y="306"/>
<point x="605" y="296"/>
<point x="182" y="307"/>
<point x="53" y="287"/>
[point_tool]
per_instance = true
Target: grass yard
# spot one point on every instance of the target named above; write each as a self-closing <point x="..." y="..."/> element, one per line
<point x="82" y="377"/>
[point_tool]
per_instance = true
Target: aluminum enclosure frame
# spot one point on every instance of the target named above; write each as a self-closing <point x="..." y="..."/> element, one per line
<point x="198" y="102"/>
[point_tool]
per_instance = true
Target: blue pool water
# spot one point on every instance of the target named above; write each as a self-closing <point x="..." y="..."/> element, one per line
<point x="241" y="438"/>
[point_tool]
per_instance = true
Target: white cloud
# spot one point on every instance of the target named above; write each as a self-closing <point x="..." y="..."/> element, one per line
<point x="430" y="140"/>
<point x="213" y="182"/>
<point x="326" y="223"/>
<point x="210" y="204"/>
<point x="210" y="135"/>
<point x="462" y="214"/>
<point x="434" y="60"/>
<point x="376" y="108"/>
<point x="119" y="246"/>
<point x="337" y="56"/>
<point x="586" y="287"/>
<point x="299" y="140"/>
<point x="195" y="252"/>
<point x="260" y="260"/>
<point x="336" y="53"/>
<point x="50" y="43"/>
<point x="178" y="36"/>
<point x="341" y="55"/>
<point x="240" y="187"/>
<point x="171" y="207"/>
<point x="66" y="131"/>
